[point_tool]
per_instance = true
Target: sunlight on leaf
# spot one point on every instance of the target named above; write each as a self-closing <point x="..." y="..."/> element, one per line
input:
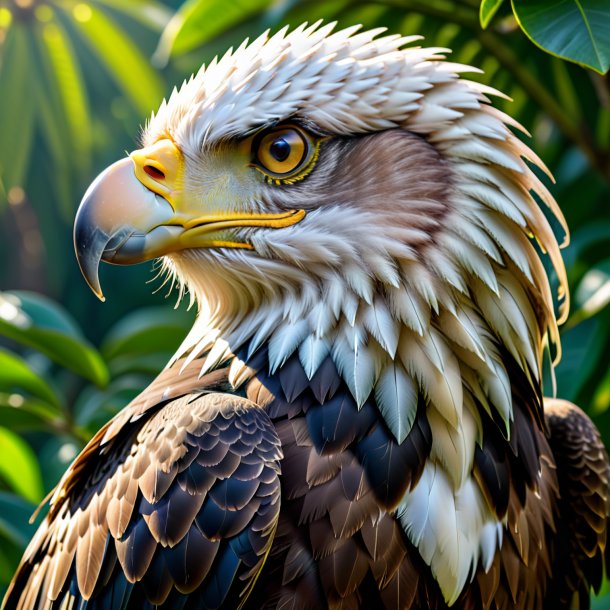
<point x="39" y="323"/>
<point x="151" y="14"/>
<point x="20" y="413"/>
<point x="487" y="11"/>
<point x="197" y="22"/>
<point x="593" y="292"/>
<point x="63" y="73"/>
<point x="121" y="57"/>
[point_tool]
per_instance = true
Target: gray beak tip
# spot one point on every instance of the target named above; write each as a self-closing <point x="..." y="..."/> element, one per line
<point x="89" y="269"/>
<point x="112" y="223"/>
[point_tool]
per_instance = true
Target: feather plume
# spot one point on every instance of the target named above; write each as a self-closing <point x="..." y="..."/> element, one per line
<point x="397" y="397"/>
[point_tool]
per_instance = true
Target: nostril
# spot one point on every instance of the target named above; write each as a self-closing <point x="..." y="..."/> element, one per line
<point x="153" y="172"/>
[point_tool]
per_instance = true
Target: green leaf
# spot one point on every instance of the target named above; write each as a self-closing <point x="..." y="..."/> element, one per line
<point x="601" y="599"/>
<point x="487" y="10"/>
<point x="19" y="467"/>
<point x="95" y="407"/>
<point x="601" y="398"/>
<point x="582" y="346"/>
<point x="53" y="131"/>
<point x="16" y="109"/>
<point x="590" y="235"/>
<point x="155" y="329"/>
<point x="566" y="90"/>
<point x="147" y="364"/>
<point x="9" y="558"/>
<point x="15" y="513"/>
<point x="153" y="15"/>
<point x="197" y="22"/>
<point x="121" y="57"/>
<point x="55" y="456"/>
<point x="576" y="30"/>
<point x="22" y="413"/>
<point x="15" y="533"/>
<point x="593" y="292"/>
<point x="15" y="373"/>
<point x="39" y="323"/>
<point x="65" y="84"/>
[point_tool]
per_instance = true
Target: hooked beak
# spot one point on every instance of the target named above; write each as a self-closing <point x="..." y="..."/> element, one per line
<point x="137" y="210"/>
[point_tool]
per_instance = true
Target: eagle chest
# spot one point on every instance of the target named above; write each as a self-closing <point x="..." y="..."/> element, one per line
<point x="346" y="533"/>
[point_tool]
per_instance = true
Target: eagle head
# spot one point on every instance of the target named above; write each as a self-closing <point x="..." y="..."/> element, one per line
<point x="315" y="180"/>
<point x="311" y="177"/>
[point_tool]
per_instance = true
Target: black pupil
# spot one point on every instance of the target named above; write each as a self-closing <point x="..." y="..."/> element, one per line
<point x="280" y="149"/>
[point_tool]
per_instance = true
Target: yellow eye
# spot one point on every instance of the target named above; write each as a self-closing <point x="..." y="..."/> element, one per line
<point x="284" y="154"/>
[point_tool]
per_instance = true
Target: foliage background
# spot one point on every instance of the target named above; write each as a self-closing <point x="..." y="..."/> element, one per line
<point x="77" y="79"/>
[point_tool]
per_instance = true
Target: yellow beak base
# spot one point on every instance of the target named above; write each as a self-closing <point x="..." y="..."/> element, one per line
<point x="136" y="211"/>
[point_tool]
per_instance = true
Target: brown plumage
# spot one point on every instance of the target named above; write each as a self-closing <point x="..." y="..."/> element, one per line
<point x="356" y="419"/>
<point x="184" y="501"/>
<point x="582" y="471"/>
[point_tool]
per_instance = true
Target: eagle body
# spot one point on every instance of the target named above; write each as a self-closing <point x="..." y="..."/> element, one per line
<point x="357" y="418"/>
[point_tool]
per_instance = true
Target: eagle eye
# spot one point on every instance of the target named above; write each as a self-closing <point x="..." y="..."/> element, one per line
<point x="284" y="154"/>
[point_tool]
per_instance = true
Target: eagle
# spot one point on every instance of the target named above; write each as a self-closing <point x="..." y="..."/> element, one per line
<point x="356" y="418"/>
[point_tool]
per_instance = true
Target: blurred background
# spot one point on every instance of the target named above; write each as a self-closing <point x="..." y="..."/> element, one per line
<point x="78" y="80"/>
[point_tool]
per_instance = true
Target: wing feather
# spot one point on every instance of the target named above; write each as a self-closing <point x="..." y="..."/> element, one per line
<point x="182" y="522"/>
<point x="583" y="472"/>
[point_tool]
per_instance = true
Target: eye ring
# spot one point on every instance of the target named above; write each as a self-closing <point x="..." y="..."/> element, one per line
<point x="284" y="154"/>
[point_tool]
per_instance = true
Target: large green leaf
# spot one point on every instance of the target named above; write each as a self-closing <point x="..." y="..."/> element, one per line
<point x="197" y="22"/>
<point x="16" y="374"/>
<point x="155" y="329"/>
<point x="39" y="323"/>
<point x="18" y="466"/>
<point x="146" y="364"/>
<point x="576" y="30"/>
